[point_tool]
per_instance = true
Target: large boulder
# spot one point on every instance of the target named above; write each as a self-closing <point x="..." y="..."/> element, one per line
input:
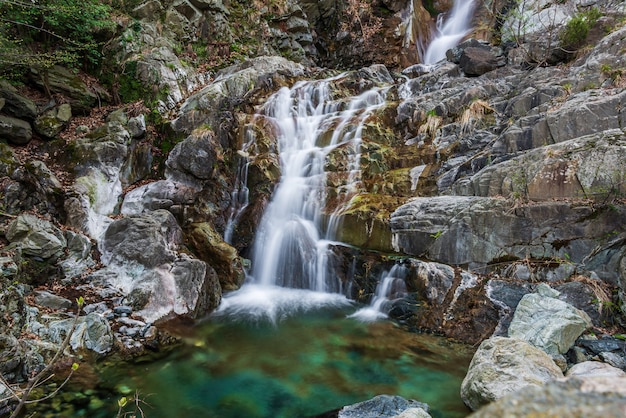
<point x="149" y="239"/>
<point x="574" y="398"/>
<point x="36" y="237"/>
<point x="15" y="104"/>
<point x="230" y="87"/>
<point x="15" y="131"/>
<point x="547" y="322"/>
<point x="479" y="230"/>
<point x="502" y="366"/>
<point x="142" y="258"/>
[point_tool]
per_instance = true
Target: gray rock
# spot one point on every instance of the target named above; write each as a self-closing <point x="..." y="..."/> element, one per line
<point x="137" y="126"/>
<point x="15" y="104"/>
<point x="477" y="61"/>
<point x="504" y="365"/>
<point x="8" y="268"/>
<point x="547" y="322"/>
<point x="49" y="300"/>
<point x="61" y="80"/>
<point x="575" y="398"/>
<point x="36" y="237"/>
<point x="92" y="332"/>
<point x="16" y="131"/>
<point x="148" y="239"/>
<point x="380" y="406"/>
<point x="52" y="122"/>
<point x="594" y="369"/>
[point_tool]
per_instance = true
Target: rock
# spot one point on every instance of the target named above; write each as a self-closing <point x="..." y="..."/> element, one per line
<point x="211" y="248"/>
<point x="51" y="301"/>
<point x="79" y="258"/>
<point x="36" y="237"/>
<point x="468" y="229"/>
<point x="381" y="406"/>
<point x="137" y="126"/>
<point x="547" y="322"/>
<point x="160" y="194"/>
<point x="8" y="268"/>
<point x="502" y="366"/>
<point x="61" y="80"/>
<point x="15" y="104"/>
<point x="603" y="345"/>
<point x="16" y="131"/>
<point x="576" y="398"/>
<point x="594" y="369"/>
<point x="92" y="332"/>
<point x="52" y="122"/>
<point x="193" y="160"/>
<point x="230" y="87"/>
<point x="148" y="239"/>
<point x="477" y="61"/>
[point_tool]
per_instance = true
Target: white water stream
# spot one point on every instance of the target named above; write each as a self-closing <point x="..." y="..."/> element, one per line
<point x="451" y="28"/>
<point x="291" y="263"/>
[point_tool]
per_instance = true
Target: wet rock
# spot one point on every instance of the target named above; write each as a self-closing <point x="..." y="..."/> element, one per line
<point x="547" y="322"/>
<point x="382" y="406"/>
<point x="211" y="248"/>
<point x="230" y="87"/>
<point x="16" y="131"/>
<point x="576" y="398"/>
<point x="502" y="366"/>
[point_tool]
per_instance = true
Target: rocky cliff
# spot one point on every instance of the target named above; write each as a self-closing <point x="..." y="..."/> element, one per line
<point x="486" y="174"/>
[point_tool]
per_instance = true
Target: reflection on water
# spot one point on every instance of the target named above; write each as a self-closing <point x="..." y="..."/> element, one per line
<point x="304" y="366"/>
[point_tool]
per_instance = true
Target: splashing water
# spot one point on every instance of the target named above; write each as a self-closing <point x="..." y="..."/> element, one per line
<point x="390" y="287"/>
<point x="292" y="245"/>
<point x="450" y="31"/>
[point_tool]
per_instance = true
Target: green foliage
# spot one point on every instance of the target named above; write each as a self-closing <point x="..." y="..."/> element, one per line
<point x="577" y="28"/>
<point x="43" y="33"/>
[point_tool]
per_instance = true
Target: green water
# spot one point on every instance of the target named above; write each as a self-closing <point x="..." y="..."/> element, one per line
<point x="305" y="366"/>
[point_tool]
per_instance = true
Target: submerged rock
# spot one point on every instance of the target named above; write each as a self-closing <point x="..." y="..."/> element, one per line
<point x="384" y="406"/>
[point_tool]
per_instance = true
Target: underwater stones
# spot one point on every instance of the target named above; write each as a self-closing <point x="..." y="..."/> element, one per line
<point x="504" y="365"/>
<point x="383" y="406"/>
<point x="547" y="322"/>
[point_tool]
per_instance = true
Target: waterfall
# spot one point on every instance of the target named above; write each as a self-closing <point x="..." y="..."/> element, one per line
<point x="391" y="286"/>
<point x="450" y="30"/>
<point x="292" y="251"/>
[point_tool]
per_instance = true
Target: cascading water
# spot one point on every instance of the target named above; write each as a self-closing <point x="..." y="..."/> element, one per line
<point x="292" y="253"/>
<point x="450" y="30"/>
<point x="391" y="287"/>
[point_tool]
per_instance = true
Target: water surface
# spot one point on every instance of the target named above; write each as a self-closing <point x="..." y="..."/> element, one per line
<point x="303" y="366"/>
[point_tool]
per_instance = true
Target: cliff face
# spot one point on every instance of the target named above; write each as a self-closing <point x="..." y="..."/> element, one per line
<point x="484" y="174"/>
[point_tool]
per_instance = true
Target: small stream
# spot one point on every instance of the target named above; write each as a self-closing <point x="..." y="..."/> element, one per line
<point x="309" y="364"/>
